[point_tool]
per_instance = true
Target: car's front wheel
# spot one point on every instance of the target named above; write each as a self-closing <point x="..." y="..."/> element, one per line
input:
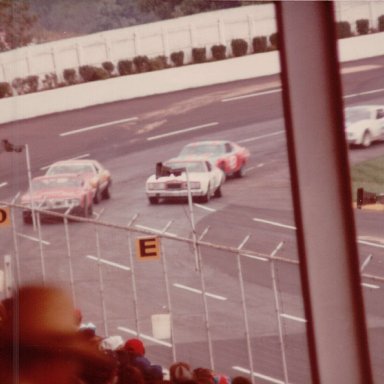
<point x="205" y="198"/>
<point x="153" y="200"/>
<point x="366" y="140"/>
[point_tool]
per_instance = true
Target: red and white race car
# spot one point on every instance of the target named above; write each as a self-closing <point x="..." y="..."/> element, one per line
<point x="98" y="176"/>
<point x="227" y="155"/>
<point x="66" y="193"/>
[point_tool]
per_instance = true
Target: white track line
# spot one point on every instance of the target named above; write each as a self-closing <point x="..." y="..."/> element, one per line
<point x="294" y="318"/>
<point x="194" y="290"/>
<point x="92" y="127"/>
<point x="3" y="184"/>
<point x="182" y="131"/>
<point x="274" y="223"/>
<point x="155" y="230"/>
<point x="205" y="207"/>
<point x="112" y="264"/>
<point x="33" y="239"/>
<point x="260" y="137"/>
<point x="252" y="95"/>
<point x="372" y="286"/>
<point x="142" y="336"/>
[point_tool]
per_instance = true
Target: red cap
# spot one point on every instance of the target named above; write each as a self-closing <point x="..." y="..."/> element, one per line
<point x="136" y="346"/>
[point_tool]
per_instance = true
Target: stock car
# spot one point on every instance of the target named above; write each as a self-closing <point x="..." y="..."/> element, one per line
<point x="64" y="193"/>
<point x="364" y="124"/>
<point x="205" y="181"/>
<point x="227" y="155"/>
<point x="97" y="175"/>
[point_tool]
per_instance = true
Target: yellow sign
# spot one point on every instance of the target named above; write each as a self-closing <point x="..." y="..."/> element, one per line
<point x="148" y="248"/>
<point x="5" y="217"/>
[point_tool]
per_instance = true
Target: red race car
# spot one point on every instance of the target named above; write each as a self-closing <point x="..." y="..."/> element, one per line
<point x="66" y="193"/>
<point x="227" y="155"/>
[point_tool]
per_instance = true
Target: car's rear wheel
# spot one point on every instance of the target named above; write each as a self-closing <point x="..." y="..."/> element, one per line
<point x="367" y="139"/>
<point x="240" y="172"/>
<point x="218" y="192"/>
<point x="27" y="219"/>
<point x="97" y="197"/>
<point x="153" y="200"/>
<point x="106" y="194"/>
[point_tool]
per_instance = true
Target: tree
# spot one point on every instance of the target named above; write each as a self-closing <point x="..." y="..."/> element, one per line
<point x="16" y="21"/>
<point x="166" y="9"/>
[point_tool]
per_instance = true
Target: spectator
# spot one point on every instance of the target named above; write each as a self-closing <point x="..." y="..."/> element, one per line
<point x="133" y="354"/>
<point x="181" y="373"/>
<point x="40" y="337"/>
<point x="241" y="380"/>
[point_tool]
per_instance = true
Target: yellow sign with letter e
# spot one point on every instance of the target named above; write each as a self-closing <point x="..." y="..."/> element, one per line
<point x="148" y="248"/>
<point x="5" y="217"/>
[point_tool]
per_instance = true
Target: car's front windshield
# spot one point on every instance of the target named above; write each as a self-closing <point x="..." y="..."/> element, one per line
<point x="193" y="166"/>
<point x="202" y="149"/>
<point x="71" y="168"/>
<point x="353" y="115"/>
<point x="55" y="183"/>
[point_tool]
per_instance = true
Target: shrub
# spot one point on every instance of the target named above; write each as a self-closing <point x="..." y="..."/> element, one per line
<point x="159" y="62"/>
<point x="5" y="90"/>
<point x="70" y="76"/>
<point x="86" y="72"/>
<point x="31" y="84"/>
<point x="199" y="55"/>
<point x="124" y="67"/>
<point x="17" y="84"/>
<point x="50" y="81"/>
<point x="362" y="26"/>
<point x="274" y="40"/>
<point x="142" y="63"/>
<point x="259" y="44"/>
<point x="177" y="58"/>
<point x="239" y="47"/>
<point x="108" y="66"/>
<point x="218" y="52"/>
<point x="380" y="22"/>
<point x="91" y="73"/>
<point x="343" y="29"/>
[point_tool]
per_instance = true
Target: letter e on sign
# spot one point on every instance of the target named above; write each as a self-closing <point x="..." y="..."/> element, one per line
<point x="5" y="217"/>
<point x="148" y="248"/>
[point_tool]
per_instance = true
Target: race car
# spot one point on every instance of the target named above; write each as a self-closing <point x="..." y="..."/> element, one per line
<point x="98" y="177"/>
<point x="65" y="193"/>
<point x="205" y="181"/>
<point x="227" y="155"/>
<point x="364" y="124"/>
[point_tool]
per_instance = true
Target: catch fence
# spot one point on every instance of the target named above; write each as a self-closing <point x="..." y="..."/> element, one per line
<point x="188" y="298"/>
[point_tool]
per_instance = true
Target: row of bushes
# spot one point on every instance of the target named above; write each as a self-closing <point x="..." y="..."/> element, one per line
<point x="141" y="64"/>
<point x="344" y="28"/>
<point x="138" y="64"/>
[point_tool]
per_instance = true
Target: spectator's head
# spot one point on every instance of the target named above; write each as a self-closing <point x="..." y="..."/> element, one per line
<point x="241" y="380"/>
<point x="135" y="346"/>
<point x="40" y="335"/>
<point x="180" y="372"/>
<point x="203" y="376"/>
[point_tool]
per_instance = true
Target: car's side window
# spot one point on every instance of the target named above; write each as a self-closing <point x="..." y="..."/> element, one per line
<point x="228" y="148"/>
<point x="209" y="167"/>
<point x="380" y="113"/>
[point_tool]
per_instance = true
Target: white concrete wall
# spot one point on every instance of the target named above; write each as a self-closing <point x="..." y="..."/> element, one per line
<point x="153" y="39"/>
<point x="167" y="80"/>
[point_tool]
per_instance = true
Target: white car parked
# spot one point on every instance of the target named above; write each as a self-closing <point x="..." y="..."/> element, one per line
<point x="205" y="181"/>
<point x="364" y="124"/>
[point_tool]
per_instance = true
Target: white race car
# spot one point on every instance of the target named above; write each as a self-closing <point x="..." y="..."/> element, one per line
<point x="205" y="180"/>
<point x="364" y="124"/>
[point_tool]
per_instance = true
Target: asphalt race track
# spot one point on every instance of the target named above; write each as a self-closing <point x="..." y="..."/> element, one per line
<point x="129" y="138"/>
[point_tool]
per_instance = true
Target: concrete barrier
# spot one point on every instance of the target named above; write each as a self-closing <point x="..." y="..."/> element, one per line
<point x="167" y="80"/>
